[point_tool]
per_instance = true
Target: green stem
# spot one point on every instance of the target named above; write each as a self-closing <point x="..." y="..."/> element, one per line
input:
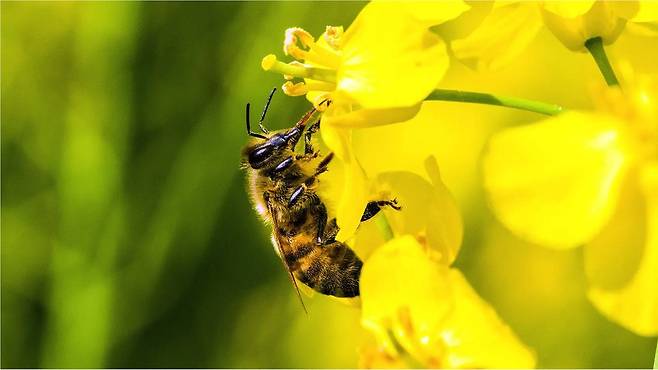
<point x="655" y="360"/>
<point x="595" y="47"/>
<point x="490" y="99"/>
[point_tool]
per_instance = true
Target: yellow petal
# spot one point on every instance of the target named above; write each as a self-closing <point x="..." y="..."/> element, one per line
<point x="433" y="313"/>
<point x="613" y="256"/>
<point x="648" y="12"/>
<point x="350" y="191"/>
<point x="626" y="9"/>
<point x="399" y="275"/>
<point x="556" y="182"/>
<point x="635" y="306"/>
<point x="502" y="36"/>
<point x="432" y="13"/>
<point x="371" y="117"/>
<point x="569" y="9"/>
<point x="337" y="139"/>
<point x="389" y="59"/>
<point x="352" y="202"/>
<point x="428" y="210"/>
<point x="474" y="335"/>
<point x="602" y="20"/>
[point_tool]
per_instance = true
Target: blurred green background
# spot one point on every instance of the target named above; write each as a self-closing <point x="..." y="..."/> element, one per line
<point x="127" y="235"/>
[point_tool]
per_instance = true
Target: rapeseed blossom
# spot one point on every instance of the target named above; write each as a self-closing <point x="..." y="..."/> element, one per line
<point x="590" y="178"/>
<point x="511" y="26"/>
<point x="419" y="310"/>
<point x="423" y="312"/>
<point x="562" y="182"/>
<point x="376" y="72"/>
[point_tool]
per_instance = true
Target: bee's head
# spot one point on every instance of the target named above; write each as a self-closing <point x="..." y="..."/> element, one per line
<point x="261" y="153"/>
<point x="269" y="148"/>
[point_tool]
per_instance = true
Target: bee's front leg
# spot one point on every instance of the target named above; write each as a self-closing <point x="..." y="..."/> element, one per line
<point x="312" y="129"/>
<point x="372" y="208"/>
<point x="324" y="164"/>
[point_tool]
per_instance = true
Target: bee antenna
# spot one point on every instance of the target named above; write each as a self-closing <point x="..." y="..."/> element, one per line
<point x="262" y="116"/>
<point x="249" y="132"/>
<point x="327" y="100"/>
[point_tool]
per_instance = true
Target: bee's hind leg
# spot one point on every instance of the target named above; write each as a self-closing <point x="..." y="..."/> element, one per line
<point x="372" y="208"/>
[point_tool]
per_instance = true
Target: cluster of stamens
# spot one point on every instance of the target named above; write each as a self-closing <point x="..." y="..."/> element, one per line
<point x="316" y="62"/>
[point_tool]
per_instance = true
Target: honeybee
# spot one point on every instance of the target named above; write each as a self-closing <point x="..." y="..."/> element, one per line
<point x="283" y="185"/>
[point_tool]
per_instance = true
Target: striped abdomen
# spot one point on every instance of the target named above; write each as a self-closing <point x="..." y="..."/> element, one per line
<point x="331" y="269"/>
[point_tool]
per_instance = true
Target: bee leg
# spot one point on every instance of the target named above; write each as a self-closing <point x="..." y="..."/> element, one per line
<point x="330" y="232"/>
<point x="296" y="195"/>
<point x="324" y="164"/>
<point x="321" y="211"/>
<point x="308" y="147"/>
<point x="300" y="202"/>
<point x="372" y="208"/>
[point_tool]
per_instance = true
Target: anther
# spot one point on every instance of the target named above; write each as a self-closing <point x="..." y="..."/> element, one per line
<point x="290" y="44"/>
<point x="294" y="89"/>
<point x="332" y="36"/>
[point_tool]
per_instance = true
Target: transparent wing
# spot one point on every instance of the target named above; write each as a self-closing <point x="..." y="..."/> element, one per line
<point x="277" y="238"/>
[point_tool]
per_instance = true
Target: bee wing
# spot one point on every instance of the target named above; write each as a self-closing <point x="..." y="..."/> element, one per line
<point x="277" y="238"/>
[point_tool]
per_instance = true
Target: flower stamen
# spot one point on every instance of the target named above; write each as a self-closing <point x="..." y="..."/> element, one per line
<point x="302" y="46"/>
<point x="294" y="89"/>
<point x="290" y="70"/>
<point x="332" y="36"/>
<point x="295" y="36"/>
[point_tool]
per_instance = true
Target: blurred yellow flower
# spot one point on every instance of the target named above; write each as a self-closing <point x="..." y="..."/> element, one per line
<point x="511" y="26"/>
<point x="573" y="23"/>
<point x="581" y="178"/>
<point x="419" y="308"/>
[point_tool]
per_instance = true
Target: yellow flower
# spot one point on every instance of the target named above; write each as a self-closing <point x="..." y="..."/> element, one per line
<point x="429" y="212"/>
<point x="590" y="178"/>
<point x="511" y="26"/>
<point x="422" y="309"/>
<point x="378" y="70"/>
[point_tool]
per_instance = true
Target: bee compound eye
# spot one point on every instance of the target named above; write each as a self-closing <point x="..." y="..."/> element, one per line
<point x="260" y="155"/>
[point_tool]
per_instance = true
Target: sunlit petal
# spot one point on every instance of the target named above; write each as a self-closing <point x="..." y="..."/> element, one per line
<point x="476" y="337"/>
<point x="353" y="200"/>
<point x="399" y="275"/>
<point x="389" y="59"/>
<point x="434" y="12"/>
<point x="556" y="182"/>
<point x="569" y="9"/>
<point x="613" y="256"/>
<point x="371" y="117"/>
<point x="428" y="210"/>
<point x="600" y="21"/>
<point x="433" y="313"/>
<point x="635" y="306"/>
<point x="501" y="37"/>
<point x="648" y="12"/>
